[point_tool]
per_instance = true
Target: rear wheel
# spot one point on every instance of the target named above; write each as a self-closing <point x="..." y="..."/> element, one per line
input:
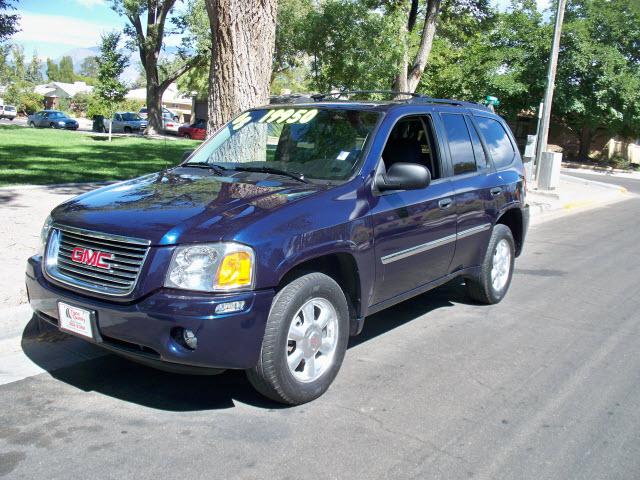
<point x="32" y="125"/>
<point x="127" y="130"/>
<point x="305" y="341"/>
<point x="491" y="284"/>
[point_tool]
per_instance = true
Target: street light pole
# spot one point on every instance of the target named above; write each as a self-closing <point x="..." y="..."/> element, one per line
<point x="543" y="131"/>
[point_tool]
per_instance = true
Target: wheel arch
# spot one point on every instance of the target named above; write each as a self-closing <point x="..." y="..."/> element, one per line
<point x="512" y="218"/>
<point x="340" y="266"/>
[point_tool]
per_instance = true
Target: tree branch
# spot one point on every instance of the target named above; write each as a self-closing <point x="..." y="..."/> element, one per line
<point x="178" y="72"/>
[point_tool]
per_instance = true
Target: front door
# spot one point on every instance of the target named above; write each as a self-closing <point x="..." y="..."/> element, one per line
<point x="415" y="230"/>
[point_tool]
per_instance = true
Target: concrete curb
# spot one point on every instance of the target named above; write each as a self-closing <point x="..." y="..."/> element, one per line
<point x="593" y="168"/>
<point x="594" y="183"/>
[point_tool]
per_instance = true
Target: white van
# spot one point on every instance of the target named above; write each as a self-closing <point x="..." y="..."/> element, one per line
<point x="8" y="111"/>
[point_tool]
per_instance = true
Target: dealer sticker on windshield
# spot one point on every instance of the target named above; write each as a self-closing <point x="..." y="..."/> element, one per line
<point x="278" y="115"/>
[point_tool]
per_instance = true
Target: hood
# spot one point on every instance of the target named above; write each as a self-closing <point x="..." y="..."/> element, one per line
<point x="182" y="205"/>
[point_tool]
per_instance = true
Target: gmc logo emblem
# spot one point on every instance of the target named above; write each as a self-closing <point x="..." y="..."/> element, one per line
<point x="92" y="258"/>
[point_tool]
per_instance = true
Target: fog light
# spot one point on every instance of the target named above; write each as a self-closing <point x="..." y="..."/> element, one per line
<point x="229" y="307"/>
<point x="190" y="339"/>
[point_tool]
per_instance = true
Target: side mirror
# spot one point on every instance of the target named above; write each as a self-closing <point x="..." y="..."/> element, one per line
<point x="404" y="176"/>
<point x="185" y="155"/>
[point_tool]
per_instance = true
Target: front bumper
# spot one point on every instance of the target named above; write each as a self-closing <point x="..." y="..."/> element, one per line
<point x="141" y="330"/>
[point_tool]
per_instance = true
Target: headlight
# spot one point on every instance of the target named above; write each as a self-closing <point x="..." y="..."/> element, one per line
<point x="211" y="267"/>
<point x="61" y="123"/>
<point x="44" y="233"/>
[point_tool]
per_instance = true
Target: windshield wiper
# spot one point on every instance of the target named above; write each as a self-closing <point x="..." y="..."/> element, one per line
<point x="218" y="169"/>
<point x="274" y="170"/>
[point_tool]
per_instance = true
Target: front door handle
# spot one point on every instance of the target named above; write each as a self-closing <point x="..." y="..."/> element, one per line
<point x="445" y="203"/>
<point x="495" y="191"/>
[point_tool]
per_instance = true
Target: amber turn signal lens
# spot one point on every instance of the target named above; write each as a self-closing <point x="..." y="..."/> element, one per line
<point x="235" y="270"/>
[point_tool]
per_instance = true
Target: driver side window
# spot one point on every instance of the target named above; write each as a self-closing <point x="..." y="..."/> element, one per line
<point x="411" y="141"/>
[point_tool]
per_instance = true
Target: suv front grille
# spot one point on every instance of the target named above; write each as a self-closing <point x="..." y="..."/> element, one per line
<point x="114" y="273"/>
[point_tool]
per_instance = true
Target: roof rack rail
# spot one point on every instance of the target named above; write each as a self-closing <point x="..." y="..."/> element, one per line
<point x="318" y="97"/>
<point x="290" y="98"/>
<point x="414" y="97"/>
<point x="445" y="101"/>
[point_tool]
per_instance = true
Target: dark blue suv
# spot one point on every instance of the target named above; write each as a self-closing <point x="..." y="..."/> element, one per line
<point x="268" y="246"/>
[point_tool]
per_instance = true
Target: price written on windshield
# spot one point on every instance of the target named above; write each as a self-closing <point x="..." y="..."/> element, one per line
<point x="280" y="115"/>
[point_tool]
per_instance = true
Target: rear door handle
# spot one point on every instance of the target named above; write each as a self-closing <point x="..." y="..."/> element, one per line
<point x="445" y="203"/>
<point x="495" y="191"/>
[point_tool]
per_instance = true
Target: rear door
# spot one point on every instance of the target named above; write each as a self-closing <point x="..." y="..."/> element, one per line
<point x="415" y="229"/>
<point x="475" y="185"/>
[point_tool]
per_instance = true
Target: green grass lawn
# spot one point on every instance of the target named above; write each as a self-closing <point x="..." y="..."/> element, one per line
<point x="43" y="156"/>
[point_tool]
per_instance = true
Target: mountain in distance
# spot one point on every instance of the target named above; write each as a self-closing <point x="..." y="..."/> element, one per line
<point x="130" y="73"/>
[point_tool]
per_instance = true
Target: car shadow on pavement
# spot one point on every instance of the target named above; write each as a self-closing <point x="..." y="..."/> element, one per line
<point x="111" y="375"/>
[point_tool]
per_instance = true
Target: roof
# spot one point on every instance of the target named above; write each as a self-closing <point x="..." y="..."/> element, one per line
<point x="170" y="95"/>
<point x="61" y="89"/>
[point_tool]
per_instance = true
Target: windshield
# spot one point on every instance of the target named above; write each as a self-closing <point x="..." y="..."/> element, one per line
<point x="318" y="143"/>
<point x="130" y="117"/>
<point x="9" y="108"/>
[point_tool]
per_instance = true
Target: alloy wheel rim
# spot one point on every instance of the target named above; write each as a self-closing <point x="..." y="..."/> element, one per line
<point x="312" y="340"/>
<point x="501" y="265"/>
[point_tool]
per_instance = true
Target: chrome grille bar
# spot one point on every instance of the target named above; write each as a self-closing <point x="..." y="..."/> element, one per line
<point x="123" y="268"/>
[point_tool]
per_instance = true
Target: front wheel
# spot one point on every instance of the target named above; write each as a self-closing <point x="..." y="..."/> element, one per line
<point x="32" y="125"/>
<point x="492" y="282"/>
<point x="305" y="341"/>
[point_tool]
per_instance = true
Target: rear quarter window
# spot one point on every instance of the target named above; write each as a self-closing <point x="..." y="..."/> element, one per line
<point x="497" y="140"/>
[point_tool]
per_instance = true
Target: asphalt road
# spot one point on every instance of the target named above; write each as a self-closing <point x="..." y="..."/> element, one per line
<point x="545" y="385"/>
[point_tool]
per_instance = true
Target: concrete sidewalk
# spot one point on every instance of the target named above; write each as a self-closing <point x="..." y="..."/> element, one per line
<point x="573" y="194"/>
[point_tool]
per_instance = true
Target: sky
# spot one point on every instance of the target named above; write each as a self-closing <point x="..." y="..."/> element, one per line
<point x="54" y="27"/>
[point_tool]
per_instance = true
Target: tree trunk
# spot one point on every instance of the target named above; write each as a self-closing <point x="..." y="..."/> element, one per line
<point x="154" y="105"/>
<point x="585" y="143"/>
<point x="409" y="79"/>
<point x="243" y="40"/>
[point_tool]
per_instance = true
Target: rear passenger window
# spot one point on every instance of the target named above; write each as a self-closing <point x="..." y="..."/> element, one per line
<point x="459" y="144"/>
<point x="481" y="158"/>
<point x="497" y="141"/>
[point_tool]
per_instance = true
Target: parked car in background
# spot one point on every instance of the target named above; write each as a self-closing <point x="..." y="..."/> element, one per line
<point x="8" y="111"/>
<point x="169" y="125"/>
<point x="196" y="131"/>
<point x="52" y="119"/>
<point x="125" y="122"/>
<point x="165" y="112"/>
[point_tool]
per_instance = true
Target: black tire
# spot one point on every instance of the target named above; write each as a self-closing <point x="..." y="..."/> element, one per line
<point x="32" y="125"/>
<point x="272" y="377"/>
<point x="127" y="130"/>
<point x="52" y="125"/>
<point x="481" y="288"/>
<point x="186" y="136"/>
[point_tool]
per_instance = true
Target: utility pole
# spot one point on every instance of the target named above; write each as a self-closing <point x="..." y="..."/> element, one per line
<point x="543" y="131"/>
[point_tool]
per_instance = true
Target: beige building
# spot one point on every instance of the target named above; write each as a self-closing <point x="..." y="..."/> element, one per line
<point x="171" y="99"/>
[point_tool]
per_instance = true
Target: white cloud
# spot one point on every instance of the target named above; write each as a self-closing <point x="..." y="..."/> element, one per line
<point x="57" y="29"/>
<point x="90" y="3"/>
